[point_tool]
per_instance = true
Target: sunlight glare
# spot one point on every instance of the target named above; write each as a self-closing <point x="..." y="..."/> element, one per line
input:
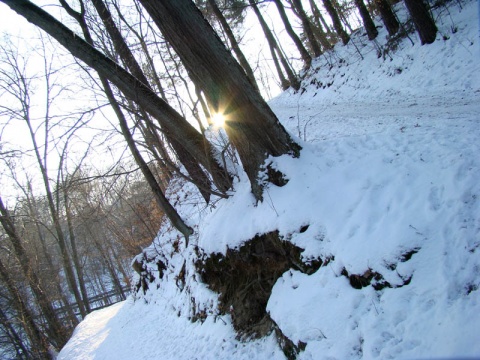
<point x="218" y="120"/>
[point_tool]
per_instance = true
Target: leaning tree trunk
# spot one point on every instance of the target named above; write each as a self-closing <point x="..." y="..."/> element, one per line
<point x="172" y="123"/>
<point x="307" y="27"/>
<point x="319" y="30"/>
<point x="233" y="42"/>
<point x="317" y="15"/>
<point x="195" y="171"/>
<point x="425" y="25"/>
<point x="56" y="330"/>
<point x="307" y="59"/>
<point x="39" y="342"/>
<point x="337" y="24"/>
<point x="368" y="23"/>
<point x="251" y="125"/>
<point x="388" y="16"/>
<point x="274" y="50"/>
<point x="73" y="245"/>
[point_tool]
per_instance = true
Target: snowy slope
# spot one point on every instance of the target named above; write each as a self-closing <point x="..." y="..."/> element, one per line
<point x="389" y="184"/>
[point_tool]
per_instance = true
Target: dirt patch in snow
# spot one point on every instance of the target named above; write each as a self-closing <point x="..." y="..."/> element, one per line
<point x="244" y="278"/>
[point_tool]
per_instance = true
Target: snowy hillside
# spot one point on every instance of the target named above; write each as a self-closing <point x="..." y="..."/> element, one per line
<point x="385" y="197"/>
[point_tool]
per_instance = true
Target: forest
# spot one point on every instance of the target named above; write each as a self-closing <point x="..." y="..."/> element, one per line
<point x="109" y="107"/>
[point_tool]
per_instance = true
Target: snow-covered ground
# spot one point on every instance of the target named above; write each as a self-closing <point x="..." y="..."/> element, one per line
<point x="388" y="182"/>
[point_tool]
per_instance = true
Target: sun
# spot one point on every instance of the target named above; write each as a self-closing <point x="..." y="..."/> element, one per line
<point x="218" y="120"/>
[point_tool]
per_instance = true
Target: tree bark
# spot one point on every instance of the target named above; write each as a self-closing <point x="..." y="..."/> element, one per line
<point x="388" y="17"/>
<point x="307" y="59"/>
<point x="251" y="125"/>
<point x="425" y="25"/>
<point x="368" y="23"/>
<point x="337" y="24"/>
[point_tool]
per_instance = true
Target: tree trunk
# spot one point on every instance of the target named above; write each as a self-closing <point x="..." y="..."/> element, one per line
<point x="39" y="343"/>
<point x="368" y="23"/>
<point x="251" y="125"/>
<point x="337" y="24"/>
<point x="57" y="332"/>
<point x="55" y="216"/>
<point x="192" y="167"/>
<point x="319" y="17"/>
<point x="13" y="335"/>
<point x="33" y="209"/>
<point x="307" y="59"/>
<point x="171" y="122"/>
<point x="73" y="244"/>
<point x="233" y="43"/>
<point x="162" y="201"/>
<point x="388" y="17"/>
<point x="307" y="27"/>
<point x="320" y="23"/>
<point x="273" y="46"/>
<point x="425" y="25"/>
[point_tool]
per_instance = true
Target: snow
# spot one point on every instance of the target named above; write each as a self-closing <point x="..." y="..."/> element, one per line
<point x="388" y="181"/>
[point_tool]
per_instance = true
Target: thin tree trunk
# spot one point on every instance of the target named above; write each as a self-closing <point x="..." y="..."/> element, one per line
<point x="425" y="25"/>
<point x="318" y="16"/>
<point x="39" y="342"/>
<point x="15" y="339"/>
<point x="368" y="23"/>
<point x="307" y="27"/>
<point x="233" y="43"/>
<point x="162" y="201"/>
<point x="320" y="33"/>
<point x="73" y="243"/>
<point x="307" y="59"/>
<point x="284" y="83"/>
<point x="276" y="53"/>
<point x="388" y="17"/>
<point x="32" y="206"/>
<point x="341" y="15"/>
<point x="337" y="24"/>
<point x="110" y="268"/>
<point x="69" y="273"/>
<point x="57" y="332"/>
